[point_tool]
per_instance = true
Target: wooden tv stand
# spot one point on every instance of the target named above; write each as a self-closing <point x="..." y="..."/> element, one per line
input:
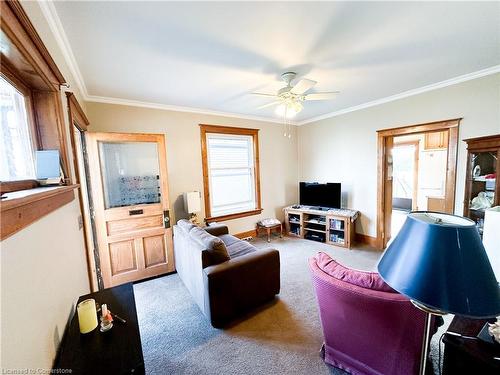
<point x="333" y="226"/>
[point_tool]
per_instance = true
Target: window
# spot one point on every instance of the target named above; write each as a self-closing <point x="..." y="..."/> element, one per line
<point x="31" y="119"/>
<point x="16" y="149"/>
<point x="230" y="163"/>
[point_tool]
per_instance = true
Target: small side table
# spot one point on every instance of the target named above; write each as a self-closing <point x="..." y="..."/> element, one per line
<point x="269" y="229"/>
<point x="469" y="356"/>
<point x="118" y="351"/>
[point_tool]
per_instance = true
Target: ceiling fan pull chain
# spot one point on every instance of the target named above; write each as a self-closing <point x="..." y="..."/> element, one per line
<point x="285" y="120"/>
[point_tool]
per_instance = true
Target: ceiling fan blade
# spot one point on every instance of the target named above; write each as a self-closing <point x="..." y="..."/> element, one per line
<point x="262" y="94"/>
<point x="322" y="95"/>
<point x="302" y="86"/>
<point x="269" y="104"/>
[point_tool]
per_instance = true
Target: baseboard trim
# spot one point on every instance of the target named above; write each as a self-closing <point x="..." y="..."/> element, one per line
<point x="367" y="240"/>
<point x="359" y="238"/>
<point x="249" y="233"/>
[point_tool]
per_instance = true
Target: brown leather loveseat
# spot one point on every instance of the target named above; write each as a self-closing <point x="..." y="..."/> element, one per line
<point x="225" y="275"/>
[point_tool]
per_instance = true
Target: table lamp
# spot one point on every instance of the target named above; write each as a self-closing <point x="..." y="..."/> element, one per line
<point x="192" y="205"/>
<point x="439" y="262"/>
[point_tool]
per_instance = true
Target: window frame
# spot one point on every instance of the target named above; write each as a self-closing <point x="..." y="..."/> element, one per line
<point x="28" y="66"/>
<point x="205" y="130"/>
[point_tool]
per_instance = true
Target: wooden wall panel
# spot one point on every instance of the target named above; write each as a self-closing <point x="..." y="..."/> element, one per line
<point x="154" y="250"/>
<point x="123" y="256"/>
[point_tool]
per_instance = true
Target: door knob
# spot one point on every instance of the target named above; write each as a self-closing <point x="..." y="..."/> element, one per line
<point x="166" y="219"/>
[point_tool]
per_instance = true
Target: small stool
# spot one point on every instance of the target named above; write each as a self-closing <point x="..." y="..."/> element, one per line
<point x="269" y="226"/>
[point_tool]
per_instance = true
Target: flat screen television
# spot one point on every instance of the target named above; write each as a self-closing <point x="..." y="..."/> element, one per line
<point x="320" y="195"/>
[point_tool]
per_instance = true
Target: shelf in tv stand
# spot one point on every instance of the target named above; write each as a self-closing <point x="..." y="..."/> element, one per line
<point x="304" y="217"/>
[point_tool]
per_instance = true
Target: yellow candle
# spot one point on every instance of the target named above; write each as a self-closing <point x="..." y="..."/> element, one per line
<point x="87" y="315"/>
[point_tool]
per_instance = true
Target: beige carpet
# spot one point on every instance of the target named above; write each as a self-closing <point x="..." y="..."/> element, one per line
<point x="283" y="337"/>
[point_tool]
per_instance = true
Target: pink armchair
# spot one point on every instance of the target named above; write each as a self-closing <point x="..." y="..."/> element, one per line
<point x="368" y="327"/>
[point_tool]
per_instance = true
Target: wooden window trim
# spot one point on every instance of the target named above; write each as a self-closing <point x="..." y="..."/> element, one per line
<point x="218" y="129"/>
<point x="27" y="64"/>
<point x="233" y="216"/>
<point x="22" y="208"/>
<point x="11" y="186"/>
<point x="76" y="115"/>
<point x="29" y="55"/>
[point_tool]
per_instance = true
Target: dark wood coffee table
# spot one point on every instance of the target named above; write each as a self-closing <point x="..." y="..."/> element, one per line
<point x="117" y="351"/>
<point x="469" y="356"/>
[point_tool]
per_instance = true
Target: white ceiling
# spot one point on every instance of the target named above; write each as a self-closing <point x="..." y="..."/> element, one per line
<point x="211" y="55"/>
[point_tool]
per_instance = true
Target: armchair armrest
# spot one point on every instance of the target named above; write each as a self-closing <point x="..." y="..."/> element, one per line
<point x="217" y="230"/>
<point x="241" y="284"/>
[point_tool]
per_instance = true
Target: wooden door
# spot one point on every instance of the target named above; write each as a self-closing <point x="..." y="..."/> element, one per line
<point x="130" y="192"/>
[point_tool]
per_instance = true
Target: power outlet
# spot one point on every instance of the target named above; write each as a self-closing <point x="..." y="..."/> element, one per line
<point x="80" y="222"/>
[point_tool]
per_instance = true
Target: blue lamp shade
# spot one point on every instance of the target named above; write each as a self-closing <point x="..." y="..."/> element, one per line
<point x="439" y="261"/>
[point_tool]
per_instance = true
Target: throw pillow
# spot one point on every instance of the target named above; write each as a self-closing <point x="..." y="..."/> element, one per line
<point x="368" y="280"/>
<point x="214" y="245"/>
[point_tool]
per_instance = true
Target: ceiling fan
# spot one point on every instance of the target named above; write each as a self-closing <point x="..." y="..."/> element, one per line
<point x="289" y="99"/>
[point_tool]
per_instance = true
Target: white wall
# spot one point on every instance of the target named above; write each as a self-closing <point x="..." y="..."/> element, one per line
<point x="43" y="267"/>
<point x="278" y="155"/>
<point x="344" y="148"/>
<point x="43" y="273"/>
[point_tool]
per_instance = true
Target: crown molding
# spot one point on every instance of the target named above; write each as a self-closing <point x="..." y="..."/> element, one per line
<point x="449" y="82"/>
<point x="50" y="13"/>
<point x="176" y="108"/>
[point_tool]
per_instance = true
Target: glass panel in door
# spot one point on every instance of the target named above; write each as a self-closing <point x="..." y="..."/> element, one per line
<point x="130" y="173"/>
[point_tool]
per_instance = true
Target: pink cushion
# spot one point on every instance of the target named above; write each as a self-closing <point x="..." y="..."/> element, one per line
<point x="368" y="280"/>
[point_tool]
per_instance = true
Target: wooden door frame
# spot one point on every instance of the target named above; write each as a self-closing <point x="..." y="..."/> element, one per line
<point x="92" y="139"/>
<point x="78" y="119"/>
<point x="383" y="136"/>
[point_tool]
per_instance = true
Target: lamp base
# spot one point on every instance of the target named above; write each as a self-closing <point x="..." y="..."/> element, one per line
<point x="429" y="311"/>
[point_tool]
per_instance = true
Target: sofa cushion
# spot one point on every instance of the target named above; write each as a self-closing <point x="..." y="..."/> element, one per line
<point x="186" y="225"/>
<point x="214" y="245"/>
<point x="368" y="280"/>
<point x="236" y="247"/>
<point x="229" y="239"/>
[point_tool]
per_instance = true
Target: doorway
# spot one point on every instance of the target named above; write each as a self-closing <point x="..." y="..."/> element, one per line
<point x="417" y="171"/>
<point x="405" y="155"/>
<point x="128" y="176"/>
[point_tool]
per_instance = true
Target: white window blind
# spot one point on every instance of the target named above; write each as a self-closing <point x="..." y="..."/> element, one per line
<point x="16" y="150"/>
<point x="231" y="173"/>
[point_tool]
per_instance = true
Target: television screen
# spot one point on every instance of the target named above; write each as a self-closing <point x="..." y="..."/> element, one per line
<point x="322" y="195"/>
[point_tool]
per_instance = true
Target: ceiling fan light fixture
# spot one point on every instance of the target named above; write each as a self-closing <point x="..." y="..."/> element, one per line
<point x="289" y="110"/>
<point x="280" y="110"/>
<point x="290" y="99"/>
<point x="297" y="107"/>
